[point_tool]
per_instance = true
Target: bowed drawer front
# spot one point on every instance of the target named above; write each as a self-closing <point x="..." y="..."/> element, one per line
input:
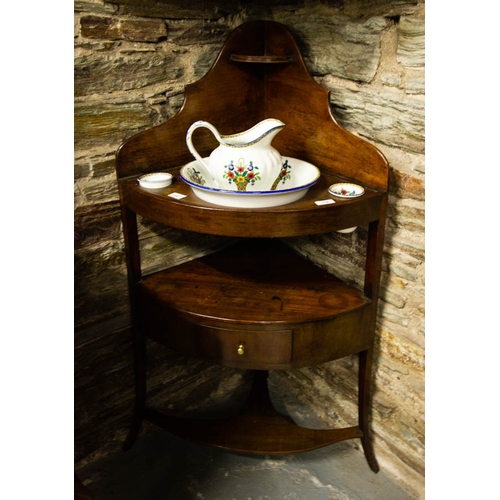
<point x="252" y="349"/>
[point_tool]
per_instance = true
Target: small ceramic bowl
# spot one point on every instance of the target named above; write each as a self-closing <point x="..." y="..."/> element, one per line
<point x="343" y="190"/>
<point x="156" y="180"/>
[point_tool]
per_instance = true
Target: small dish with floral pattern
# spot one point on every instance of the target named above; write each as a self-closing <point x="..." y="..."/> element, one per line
<point x="343" y="190"/>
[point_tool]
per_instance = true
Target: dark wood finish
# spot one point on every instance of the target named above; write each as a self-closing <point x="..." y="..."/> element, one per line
<point x="258" y="428"/>
<point x="260" y="295"/>
<point x="256" y="305"/>
<point x="256" y="283"/>
<point x="300" y="218"/>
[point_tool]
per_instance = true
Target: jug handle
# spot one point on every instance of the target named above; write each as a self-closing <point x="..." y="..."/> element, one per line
<point x="192" y="149"/>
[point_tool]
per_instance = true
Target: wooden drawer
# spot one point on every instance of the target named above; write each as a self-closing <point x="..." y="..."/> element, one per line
<point x="246" y="348"/>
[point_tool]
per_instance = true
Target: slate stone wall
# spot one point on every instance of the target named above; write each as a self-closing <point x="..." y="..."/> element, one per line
<point x="132" y="61"/>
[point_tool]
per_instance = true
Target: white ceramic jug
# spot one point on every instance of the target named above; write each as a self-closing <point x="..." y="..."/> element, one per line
<point x="244" y="161"/>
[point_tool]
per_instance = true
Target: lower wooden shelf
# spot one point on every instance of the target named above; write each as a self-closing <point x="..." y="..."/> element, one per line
<point x="258" y="428"/>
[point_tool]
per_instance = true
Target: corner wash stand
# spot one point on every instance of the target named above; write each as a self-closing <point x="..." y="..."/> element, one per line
<point x="273" y="310"/>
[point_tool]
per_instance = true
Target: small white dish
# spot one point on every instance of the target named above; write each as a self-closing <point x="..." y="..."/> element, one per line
<point x="155" y="180"/>
<point x="343" y="190"/>
<point x="347" y="230"/>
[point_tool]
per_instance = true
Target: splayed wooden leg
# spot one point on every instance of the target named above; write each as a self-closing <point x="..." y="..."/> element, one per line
<point x="365" y="378"/>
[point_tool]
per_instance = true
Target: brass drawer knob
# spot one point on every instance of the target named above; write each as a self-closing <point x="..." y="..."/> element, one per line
<point x="241" y="349"/>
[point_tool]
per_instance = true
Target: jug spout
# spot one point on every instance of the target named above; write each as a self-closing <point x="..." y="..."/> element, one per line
<point x="262" y="133"/>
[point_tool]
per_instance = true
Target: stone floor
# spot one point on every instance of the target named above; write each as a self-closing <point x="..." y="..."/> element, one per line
<point x="161" y="466"/>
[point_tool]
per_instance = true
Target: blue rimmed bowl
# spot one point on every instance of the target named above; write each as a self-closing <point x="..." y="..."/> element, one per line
<point x="293" y="182"/>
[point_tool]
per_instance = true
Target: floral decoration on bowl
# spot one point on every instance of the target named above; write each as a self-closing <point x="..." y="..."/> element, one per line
<point x="343" y="190"/>
<point x="286" y="188"/>
<point x="241" y="175"/>
<point x="195" y="176"/>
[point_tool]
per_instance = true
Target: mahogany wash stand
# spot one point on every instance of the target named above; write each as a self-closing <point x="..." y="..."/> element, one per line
<point x="255" y="305"/>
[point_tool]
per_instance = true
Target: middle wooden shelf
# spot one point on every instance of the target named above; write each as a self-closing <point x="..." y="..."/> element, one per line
<point x="257" y="296"/>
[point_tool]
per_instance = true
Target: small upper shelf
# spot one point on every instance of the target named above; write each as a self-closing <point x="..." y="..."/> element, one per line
<point x="265" y="59"/>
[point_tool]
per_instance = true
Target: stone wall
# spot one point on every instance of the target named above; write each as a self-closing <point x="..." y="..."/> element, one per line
<point x="132" y="61"/>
